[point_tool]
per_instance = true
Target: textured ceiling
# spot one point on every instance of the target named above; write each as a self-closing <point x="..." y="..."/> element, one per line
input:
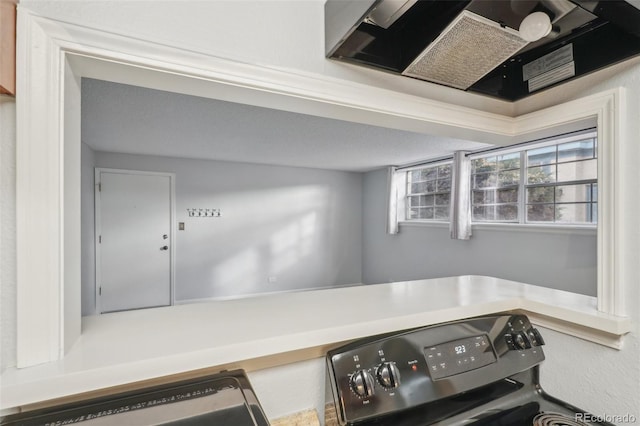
<point x="136" y="120"/>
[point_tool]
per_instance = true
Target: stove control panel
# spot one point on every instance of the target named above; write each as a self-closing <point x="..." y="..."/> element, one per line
<point x="384" y="374"/>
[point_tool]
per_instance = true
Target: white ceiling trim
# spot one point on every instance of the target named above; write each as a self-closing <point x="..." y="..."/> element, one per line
<point x="194" y="73"/>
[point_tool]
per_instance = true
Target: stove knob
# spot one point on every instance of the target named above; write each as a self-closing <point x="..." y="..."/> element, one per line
<point x="388" y="375"/>
<point x="362" y="383"/>
<point x="521" y="340"/>
<point x="508" y="338"/>
<point x="535" y="337"/>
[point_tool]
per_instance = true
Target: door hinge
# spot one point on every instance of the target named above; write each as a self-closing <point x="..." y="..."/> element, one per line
<point x="100" y="291"/>
<point x="99" y="239"/>
<point x="99" y="186"/>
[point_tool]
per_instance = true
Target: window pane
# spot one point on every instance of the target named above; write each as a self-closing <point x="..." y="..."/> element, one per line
<point x="444" y="172"/>
<point x="574" y="213"/>
<point x="430" y="173"/>
<point x="428" y="213"/>
<point x="578" y="171"/>
<point x="414" y="176"/>
<point x="485" y="180"/>
<point x="484" y="165"/>
<point x="573" y="193"/>
<point x="594" y="212"/>
<point x="420" y="200"/>
<point x="575" y="151"/>
<point x="423" y="187"/>
<point x="428" y="200"/>
<point x="484" y="197"/>
<point x="542" y="174"/>
<point x="421" y="213"/>
<point x="507" y="212"/>
<point x="508" y="195"/>
<point x="442" y="213"/>
<point x="442" y="199"/>
<point x="417" y="188"/>
<point x="594" y="192"/>
<point x="540" y="156"/>
<point x="509" y="161"/>
<point x="540" y="194"/>
<point x="444" y="185"/>
<point x="483" y="213"/>
<point x="511" y="177"/>
<point x="540" y="212"/>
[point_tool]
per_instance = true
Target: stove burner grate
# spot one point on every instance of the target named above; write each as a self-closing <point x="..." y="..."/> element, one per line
<point x="555" y="419"/>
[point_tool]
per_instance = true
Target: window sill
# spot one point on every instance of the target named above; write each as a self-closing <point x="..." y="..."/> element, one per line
<point x="423" y="223"/>
<point x="508" y="227"/>
<point x="521" y="227"/>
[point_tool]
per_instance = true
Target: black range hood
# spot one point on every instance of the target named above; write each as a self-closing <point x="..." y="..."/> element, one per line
<point x="476" y="46"/>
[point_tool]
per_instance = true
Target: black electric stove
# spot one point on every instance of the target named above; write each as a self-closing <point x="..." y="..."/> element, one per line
<point x="223" y="399"/>
<point x="480" y="371"/>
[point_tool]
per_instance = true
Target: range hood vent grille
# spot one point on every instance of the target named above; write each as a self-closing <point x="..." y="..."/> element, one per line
<point x="467" y="50"/>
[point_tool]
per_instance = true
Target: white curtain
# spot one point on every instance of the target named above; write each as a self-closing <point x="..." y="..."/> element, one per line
<point x="395" y="206"/>
<point x="460" y="225"/>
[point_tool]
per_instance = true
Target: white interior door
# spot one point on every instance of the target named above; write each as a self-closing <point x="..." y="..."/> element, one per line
<point x="134" y="240"/>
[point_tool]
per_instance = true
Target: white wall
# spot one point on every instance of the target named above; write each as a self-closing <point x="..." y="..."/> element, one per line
<point x="272" y="33"/>
<point x="602" y="379"/>
<point x="301" y="226"/>
<point x="279" y="397"/>
<point x="551" y="259"/>
<point x="7" y="232"/>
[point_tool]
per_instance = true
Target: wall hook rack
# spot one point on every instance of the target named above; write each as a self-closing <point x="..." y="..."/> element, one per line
<point x="203" y="212"/>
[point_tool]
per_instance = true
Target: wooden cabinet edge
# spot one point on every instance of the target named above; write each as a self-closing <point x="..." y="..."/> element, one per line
<point x="7" y="47"/>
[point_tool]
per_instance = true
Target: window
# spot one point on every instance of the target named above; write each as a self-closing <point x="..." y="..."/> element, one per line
<point x="550" y="182"/>
<point x="562" y="183"/>
<point x="428" y="193"/>
<point x="495" y="184"/>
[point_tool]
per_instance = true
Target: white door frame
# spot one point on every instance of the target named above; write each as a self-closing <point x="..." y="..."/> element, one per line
<point x="98" y="228"/>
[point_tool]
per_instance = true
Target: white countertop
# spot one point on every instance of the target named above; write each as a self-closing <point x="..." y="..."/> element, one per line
<point x="124" y="347"/>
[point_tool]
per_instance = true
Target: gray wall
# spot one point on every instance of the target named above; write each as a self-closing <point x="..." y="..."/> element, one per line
<point x="557" y="259"/>
<point x="301" y="226"/>
<point x="87" y="231"/>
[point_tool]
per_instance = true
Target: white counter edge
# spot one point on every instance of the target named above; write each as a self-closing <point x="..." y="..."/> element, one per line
<point x="575" y="315"/>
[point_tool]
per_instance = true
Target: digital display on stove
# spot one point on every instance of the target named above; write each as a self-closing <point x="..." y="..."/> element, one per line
<point x="459" y="356"/>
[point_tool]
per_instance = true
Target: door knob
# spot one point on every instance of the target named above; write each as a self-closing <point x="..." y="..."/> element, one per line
<point x="164" y="248"/>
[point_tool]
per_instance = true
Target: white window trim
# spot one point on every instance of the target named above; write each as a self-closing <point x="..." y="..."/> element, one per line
<point x="549" y="141"/>
<point x="51" y="58"/>
<point x="608" y="109"/>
